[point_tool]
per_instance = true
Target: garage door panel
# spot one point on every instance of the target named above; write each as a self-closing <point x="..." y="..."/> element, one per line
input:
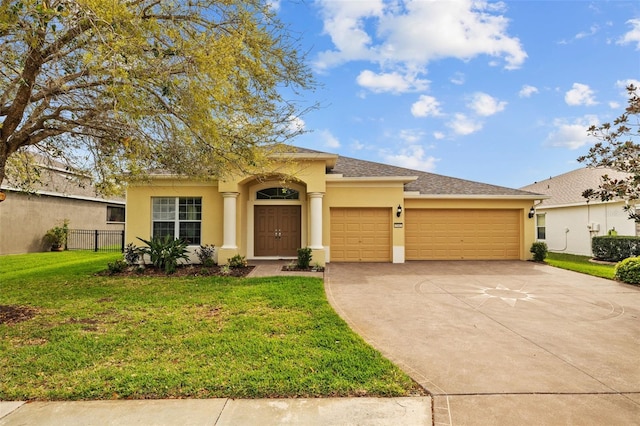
<point x="462" y="234"/>
<point x="360" y="235"/>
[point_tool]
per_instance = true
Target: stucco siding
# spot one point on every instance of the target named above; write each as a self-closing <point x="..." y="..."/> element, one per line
<point x="138" y="214"/>
<point x="24" y="219"/>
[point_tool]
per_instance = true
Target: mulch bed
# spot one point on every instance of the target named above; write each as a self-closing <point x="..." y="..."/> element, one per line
<point x="294" y="268"/>
<point x="11" y="314"/>
<point x="181" y="271"/>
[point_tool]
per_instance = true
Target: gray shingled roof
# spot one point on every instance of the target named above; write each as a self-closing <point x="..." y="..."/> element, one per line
<point x="426" y="184"/>
<point x="567" y="188"/>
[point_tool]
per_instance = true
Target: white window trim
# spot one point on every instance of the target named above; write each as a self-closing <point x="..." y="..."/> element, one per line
<point x="176" y="220"/>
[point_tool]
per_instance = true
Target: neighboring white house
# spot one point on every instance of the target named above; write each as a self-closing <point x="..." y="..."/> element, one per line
<point x="567" y="221"/>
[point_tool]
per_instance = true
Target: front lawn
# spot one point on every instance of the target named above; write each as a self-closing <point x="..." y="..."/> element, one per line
<point x="582" y="264"/>
<point x="84" y="336"/>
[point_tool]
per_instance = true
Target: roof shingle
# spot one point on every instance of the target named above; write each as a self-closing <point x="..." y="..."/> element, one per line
<point x="567" y="188"/>
<point x="426" y="183"/>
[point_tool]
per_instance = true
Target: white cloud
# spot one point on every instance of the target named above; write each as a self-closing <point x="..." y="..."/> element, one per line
<point x="329" y="140"/>
<point x="411" y="136"/>
<point x="527" y="91"/>
<point x="633" y="36"/>
<point x="457" y="79"/>
<point x="344" y="22"/>
<point x="485" y="105"/>
<point x="296" y="124"/>
<point x="426" y="106"/>
<point x="413" y="33"/>
<point x="580" y="94"/>
<point x="412" y="157"/>
<point x="584" y="34"/>
<point x="393" y="82"/>
<point x="614" y="105"/>
<point x="463" y="125"/>
<point x="438" y="135"/>
<point x="571" y="135"/>
<point x="274" y="4"/>
<point x="357" y="145"/>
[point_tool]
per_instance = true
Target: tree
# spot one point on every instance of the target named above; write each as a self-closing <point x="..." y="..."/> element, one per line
<point x="193" y="87"/>
<point x="618" y="149"/>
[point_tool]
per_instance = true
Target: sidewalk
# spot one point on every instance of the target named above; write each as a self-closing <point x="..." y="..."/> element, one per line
<point x="220" y="412"/>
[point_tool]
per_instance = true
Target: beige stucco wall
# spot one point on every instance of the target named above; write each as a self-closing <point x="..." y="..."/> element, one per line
<point x="24" y="219"/>
<point x="138" y="213"/>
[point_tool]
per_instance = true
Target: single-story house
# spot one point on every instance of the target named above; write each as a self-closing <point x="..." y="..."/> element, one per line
<point x="344" y="209"/>
<point x="61" y="193"/>
<point x="567" y="221"/>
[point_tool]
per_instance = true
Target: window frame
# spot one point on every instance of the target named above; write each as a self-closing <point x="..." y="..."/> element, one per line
<point x="277" y="193"/>
<point x="542" y="227"/>
<point x="181" y="211"/>
<point x="123" y="208"/>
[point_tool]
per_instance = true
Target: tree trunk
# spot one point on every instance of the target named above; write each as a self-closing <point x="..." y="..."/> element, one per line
<point x="4" y="154"/>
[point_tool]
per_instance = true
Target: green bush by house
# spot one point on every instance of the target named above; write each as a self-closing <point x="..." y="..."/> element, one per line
<point x="628" y="270"/>
<point x="615" y="248"/>
<point x="539" y="250"/>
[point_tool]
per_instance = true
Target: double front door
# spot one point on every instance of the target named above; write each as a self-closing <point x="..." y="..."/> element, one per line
<point x="276" y="230"/>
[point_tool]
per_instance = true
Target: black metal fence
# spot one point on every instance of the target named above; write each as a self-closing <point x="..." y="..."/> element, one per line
<point x="96" y="240"/>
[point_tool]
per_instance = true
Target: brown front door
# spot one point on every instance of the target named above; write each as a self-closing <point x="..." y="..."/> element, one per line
<point x="277" y="230"/>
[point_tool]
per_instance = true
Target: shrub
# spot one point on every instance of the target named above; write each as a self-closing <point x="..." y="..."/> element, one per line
<point x="539" y="250"/>
<point x="304" y="258"/>
<point x="237" y="261"/>
<point x="165" y="252"/>
<point x="131" y="254"/>
<point x="628" y="270"/>
<point x="116" y="266"/>
<point x="57" y="236"/>
<point x="205" y="254"/>
<point x="615" y="248"/>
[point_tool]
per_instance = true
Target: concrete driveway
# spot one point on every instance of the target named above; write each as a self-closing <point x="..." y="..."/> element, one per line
<point x="502" y="342"/>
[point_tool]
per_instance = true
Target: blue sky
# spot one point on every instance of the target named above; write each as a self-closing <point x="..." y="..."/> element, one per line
<point x="495" y="92"/>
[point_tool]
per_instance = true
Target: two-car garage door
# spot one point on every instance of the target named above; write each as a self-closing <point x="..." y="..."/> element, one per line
<point x="450" y="234"/>
<point x="364" y="234"/>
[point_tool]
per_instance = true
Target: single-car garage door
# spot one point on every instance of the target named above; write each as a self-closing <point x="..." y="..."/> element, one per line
<point x="441" y="234"/>
<point x="360" y="235"/>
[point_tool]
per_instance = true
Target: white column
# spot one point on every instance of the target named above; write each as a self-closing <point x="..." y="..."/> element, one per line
<point x="315" y="239"/>
<point x="229" y="220"/>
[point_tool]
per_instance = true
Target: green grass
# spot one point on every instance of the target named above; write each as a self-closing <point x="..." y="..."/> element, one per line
<point x="101" y="337"/>
<point x="581" y="264"/>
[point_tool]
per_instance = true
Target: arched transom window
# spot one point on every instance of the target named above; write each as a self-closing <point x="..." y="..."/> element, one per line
<point x="277" y="193"/>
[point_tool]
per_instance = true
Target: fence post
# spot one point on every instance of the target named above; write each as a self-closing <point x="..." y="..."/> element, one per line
<point x="96" y="241"/>
<point x="122" y="241"/>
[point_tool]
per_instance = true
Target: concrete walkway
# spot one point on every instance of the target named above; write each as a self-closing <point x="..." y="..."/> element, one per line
<point x="221" y="412"/>
<point x="501" y="343"/>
